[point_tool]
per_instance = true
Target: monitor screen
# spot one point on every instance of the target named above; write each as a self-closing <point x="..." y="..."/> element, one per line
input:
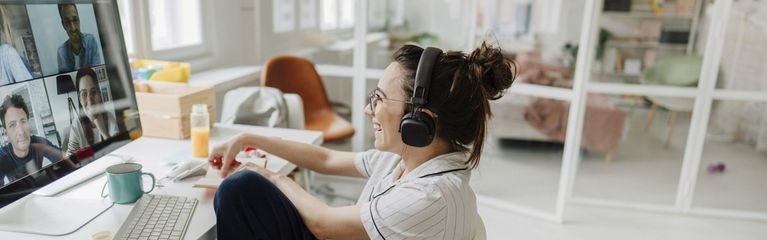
<point x="66" y="93"/>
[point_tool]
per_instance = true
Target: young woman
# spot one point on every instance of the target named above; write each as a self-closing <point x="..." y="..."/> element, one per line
<point x="412" y="192"/>
<point x="12" y="67"/>
<point x="95" y="123"/>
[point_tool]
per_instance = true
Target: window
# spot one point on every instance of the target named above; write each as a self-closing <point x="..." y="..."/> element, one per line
<point x="175" y="23"/>
<point x="346" y="14"/>
<point x="163" y="29"/>
<point x="336" y="14"/>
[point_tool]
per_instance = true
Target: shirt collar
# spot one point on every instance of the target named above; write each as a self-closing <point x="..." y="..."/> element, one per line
<point x="441" y="163"/>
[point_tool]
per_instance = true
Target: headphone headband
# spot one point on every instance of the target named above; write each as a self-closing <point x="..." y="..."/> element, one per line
<point x="417" y="127"/>
<point x="429" y="58"/>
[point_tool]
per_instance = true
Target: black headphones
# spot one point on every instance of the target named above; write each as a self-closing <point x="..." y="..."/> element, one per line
<point x="417" y="126"/>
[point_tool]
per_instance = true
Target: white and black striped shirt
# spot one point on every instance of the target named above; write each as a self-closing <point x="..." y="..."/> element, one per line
<point x="434" y="201"/>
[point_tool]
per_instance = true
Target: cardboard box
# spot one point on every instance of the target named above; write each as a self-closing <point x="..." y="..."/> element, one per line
<point x="164" y="108"/>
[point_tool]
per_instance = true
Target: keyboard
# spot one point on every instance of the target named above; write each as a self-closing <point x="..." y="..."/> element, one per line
<point x="158" y="217"/>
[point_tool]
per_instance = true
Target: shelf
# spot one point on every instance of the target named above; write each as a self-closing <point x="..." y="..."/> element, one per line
<point x="620" y="75"/>
<point x="649" y="45"/>
<point x="611" y="77"/>
<point x="645" y="15"/>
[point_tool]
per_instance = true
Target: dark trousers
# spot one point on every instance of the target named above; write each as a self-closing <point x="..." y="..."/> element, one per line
<point x="249" y="206"/>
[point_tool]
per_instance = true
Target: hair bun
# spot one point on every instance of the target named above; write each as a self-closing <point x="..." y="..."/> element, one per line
<point x="492" y="69"/>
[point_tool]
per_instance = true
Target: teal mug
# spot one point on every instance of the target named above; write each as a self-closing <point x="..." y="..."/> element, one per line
<point x="125" y="183"/>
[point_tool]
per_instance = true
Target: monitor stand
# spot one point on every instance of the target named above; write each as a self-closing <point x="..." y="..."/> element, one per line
<point x="53" y="216"/>
<point x="87" y="172"/>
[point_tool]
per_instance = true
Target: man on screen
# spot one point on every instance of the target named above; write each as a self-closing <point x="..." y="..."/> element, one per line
<point x="24" y="154"/>
<point x="81" y="50"/>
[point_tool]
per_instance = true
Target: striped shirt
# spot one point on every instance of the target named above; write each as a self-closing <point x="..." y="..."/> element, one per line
<point x="434" y="201"/>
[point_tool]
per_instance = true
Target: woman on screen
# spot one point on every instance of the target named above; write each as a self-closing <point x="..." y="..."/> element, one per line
<point x="95" y="124"/>
<point x="12" y="67"/>
<point x="427" y="141"/>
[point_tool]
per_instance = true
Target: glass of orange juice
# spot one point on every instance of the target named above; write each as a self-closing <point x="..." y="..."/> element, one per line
<point x="200" y="122"/>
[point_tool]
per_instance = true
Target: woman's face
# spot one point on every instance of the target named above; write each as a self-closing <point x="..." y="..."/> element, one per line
<point x="90" y="95"/>
<point x="386" y="108"/>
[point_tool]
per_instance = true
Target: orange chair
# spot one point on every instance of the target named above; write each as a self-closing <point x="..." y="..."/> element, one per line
<point x="297" y="75"/>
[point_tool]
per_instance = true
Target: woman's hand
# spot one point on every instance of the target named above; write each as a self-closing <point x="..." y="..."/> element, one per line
<point x="222" y="156"/>
<point x="272" y="176"/>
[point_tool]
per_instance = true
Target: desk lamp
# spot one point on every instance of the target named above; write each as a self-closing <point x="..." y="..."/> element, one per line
<point x="65" y="85"/>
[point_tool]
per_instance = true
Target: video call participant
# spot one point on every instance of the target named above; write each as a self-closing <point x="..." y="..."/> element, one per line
<point x="412" y="191"/>
<point x="81" y="50"/>
<point x="95" y="123"/>
<point x="24" y="154"/>
<point x="12" y="67"/>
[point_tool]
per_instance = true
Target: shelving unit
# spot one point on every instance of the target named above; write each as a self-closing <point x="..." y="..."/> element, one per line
<point x="637" y="36"/>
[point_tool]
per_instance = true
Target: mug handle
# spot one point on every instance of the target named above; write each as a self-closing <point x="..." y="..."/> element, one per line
<point x="104" y="188"/>
<point x="153" y="181"/>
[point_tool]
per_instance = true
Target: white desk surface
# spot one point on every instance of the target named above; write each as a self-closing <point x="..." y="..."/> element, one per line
<point x="154" y="154"/>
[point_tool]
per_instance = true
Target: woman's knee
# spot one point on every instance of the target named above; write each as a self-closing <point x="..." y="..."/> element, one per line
<point x="240" y="183"/>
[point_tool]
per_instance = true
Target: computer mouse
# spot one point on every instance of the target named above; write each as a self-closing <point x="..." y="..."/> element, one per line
<point x="186" y="169"/>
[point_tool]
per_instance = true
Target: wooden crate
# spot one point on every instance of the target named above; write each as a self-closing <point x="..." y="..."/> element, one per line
<point x="164" y="108"/>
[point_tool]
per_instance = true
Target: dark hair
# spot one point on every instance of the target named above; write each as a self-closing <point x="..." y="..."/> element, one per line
<point x="461" y="87"/>
<point x="15" y="101"/>
<point x="85" y="122"/>
<point x="63" y="5"/>
<point x="85" y="72"/>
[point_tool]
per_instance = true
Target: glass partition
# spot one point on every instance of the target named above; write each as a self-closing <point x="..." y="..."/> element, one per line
<point x="522" y="160"/>
<point x="632" y="38"/>
<point x="734" y="158"/>
<point x="744" y="57"/>
<point x="633" y="148"/>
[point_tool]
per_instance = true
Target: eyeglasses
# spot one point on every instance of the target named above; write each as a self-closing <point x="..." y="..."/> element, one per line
<point x="85" y="93"/>
<point x="374" y="97"/>
<point x="70" y="21"/>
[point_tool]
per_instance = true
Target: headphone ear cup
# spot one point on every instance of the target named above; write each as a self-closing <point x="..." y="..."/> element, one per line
<point x="417" y="129"/>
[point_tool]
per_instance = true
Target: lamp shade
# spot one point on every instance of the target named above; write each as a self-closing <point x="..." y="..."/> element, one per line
<point x="64" y="84"/>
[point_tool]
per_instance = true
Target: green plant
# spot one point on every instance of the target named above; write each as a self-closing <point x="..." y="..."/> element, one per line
<point x="604" y="35"/>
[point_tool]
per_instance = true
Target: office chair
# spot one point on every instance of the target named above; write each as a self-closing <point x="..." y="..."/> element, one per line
<point x="297" y="75"/>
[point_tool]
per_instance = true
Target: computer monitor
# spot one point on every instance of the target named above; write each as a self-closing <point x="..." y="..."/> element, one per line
<point x="66" y="93"/>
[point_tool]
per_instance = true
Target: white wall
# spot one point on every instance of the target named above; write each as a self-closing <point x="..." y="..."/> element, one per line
<point x="226" y="38"/>
<point x="303" y="42"/>
<point x="448" y="19"/>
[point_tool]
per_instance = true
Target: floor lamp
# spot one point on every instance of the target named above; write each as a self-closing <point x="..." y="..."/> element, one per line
<point x="65" y="85"/>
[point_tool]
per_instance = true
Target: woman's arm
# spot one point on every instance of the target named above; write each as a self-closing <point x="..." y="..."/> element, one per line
<point x="323" y="221"/>
<point x="18" y="70"/>
<point x="315" y="158"/>
<point x="74" y="138"/>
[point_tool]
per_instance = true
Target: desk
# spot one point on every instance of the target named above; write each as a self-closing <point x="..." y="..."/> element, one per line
<point x="153" y="154"/>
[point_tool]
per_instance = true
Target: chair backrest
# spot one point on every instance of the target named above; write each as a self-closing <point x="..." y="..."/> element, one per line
<point x="675" y="70"/>
<point x="479" y="229"/>
<point x="261" y="106"/>
<point x="297" y="75"/>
